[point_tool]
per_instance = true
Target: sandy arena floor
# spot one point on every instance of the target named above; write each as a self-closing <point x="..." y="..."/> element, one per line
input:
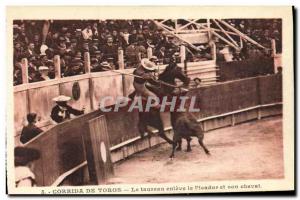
<point x="248" y="151"/>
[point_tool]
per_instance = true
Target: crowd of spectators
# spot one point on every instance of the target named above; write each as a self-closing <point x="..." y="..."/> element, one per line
<point x="40" y="40"/>
<point x="260" y="30"/>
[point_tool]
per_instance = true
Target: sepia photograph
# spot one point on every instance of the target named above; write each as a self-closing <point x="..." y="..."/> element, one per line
<point x="163" y="103"/>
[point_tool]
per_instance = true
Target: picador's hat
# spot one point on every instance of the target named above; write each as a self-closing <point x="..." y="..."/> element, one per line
<point x="147" y="64"/>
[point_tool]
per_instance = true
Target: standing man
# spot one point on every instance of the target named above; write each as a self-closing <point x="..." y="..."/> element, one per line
<point x="61" y="112"/>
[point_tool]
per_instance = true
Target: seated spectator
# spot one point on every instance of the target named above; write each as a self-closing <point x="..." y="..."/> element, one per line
<point x="95" y="65"/>
<point x="161" y="54"/>
<point x="132" y="37"/>
<point x="33" y="75"/>
<point x="62" y="111"/>
<point x="140" y="49"/>
<point x="30" y="51"/>
<point x="126" y="35"/>
<point x="18" y="74"/>
<point x="18" y="51"/>
<point x="87" y="33"/>
<point x="110" y="50"/>
<point x="44" y="70"/>
<point x="75" y="68"/>
<point x="31" y="130"/>
<point x="111" y="63"/>
<point x="105" y="66"/>
<point x="131" y="53"/>
<point x="140" y="35"/>
<point x="227" y="53"/>
<point x="24" y="166"/>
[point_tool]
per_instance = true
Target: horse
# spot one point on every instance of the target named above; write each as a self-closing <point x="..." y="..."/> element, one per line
<point x="153" y="118"/>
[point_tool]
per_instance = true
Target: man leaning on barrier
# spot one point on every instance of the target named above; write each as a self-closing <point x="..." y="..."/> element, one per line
<point x="62" y="111"/>
<point x="31" y="130"/>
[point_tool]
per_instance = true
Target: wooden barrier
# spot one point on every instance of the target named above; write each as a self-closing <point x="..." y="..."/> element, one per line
<point x="63" y="148"/>
<point x="101" y="149"/>
<point x="71" y="147"/>
<point x="245" y="68"/>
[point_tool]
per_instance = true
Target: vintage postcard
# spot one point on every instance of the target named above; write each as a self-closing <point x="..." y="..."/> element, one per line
<point x="149" y="100"/>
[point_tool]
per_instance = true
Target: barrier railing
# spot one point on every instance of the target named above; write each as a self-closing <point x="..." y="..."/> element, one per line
<point x="87" y="62"/>
<point x="37" y="96"/>
<point x="67" y="146"/>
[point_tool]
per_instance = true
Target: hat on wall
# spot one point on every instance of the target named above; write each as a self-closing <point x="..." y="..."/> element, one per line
<point x="61" y="98"/>
<point x="147" y="64"/>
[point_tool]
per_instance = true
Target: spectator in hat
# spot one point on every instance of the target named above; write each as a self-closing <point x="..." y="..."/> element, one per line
<point x="110" y="50"/>
<point x="43" y="60"/>
<point x="30" y="131"/>
<point x="17" y="74"/>
<point x="30" y="51"/>
<point x="18" y="51"/>
<point x="227" y="53"/>
<point x="87" y="33"/>
<point x="75" y="68"/>
<point x="73" y="45"/>
<point x="131" y="53"/>
<point x="126" y="35"/>
<point x="44" y="70"/>
<point x="133" y="36"/>
<point x="95" y="66"/>
<point x="140" y="49"/>
<point x="62" y="111"/>
<point x="97" y="54"/>
<point x="161" y="54"/>
<point x="24" y="166"/>
<point x="33" y="75"/>
<point x="37" y="43"/>
<point x="95" y="29"/>
<point x="111" y="63"/>
<point x="105" y="66"/>
<point x="62" y="47"/>
<point x="140" y="35"/>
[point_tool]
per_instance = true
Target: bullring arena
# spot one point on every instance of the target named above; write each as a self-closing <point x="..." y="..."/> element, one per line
<point x="236" y="80"/>
<point x="231" y="157"/>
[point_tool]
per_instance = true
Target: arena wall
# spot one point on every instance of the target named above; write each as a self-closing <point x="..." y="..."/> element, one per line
<point x="66" y="153"/>
<point x="37" y="97"/>
<point x="257" y="66"/>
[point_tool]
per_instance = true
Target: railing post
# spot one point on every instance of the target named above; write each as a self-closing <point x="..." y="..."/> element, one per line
<point x="87" y="62"/>
<point x="24" y="64"/>
<point x="121" y="58"/>
<point x="214" y="51"/>
<point x="182" y="53"/>
<point x="276" y="57"/>
<point x="208" y="26"/>
<point x="149" y="52"/>
<point x="273" y="46"/>
<point x="56" y="61"/>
